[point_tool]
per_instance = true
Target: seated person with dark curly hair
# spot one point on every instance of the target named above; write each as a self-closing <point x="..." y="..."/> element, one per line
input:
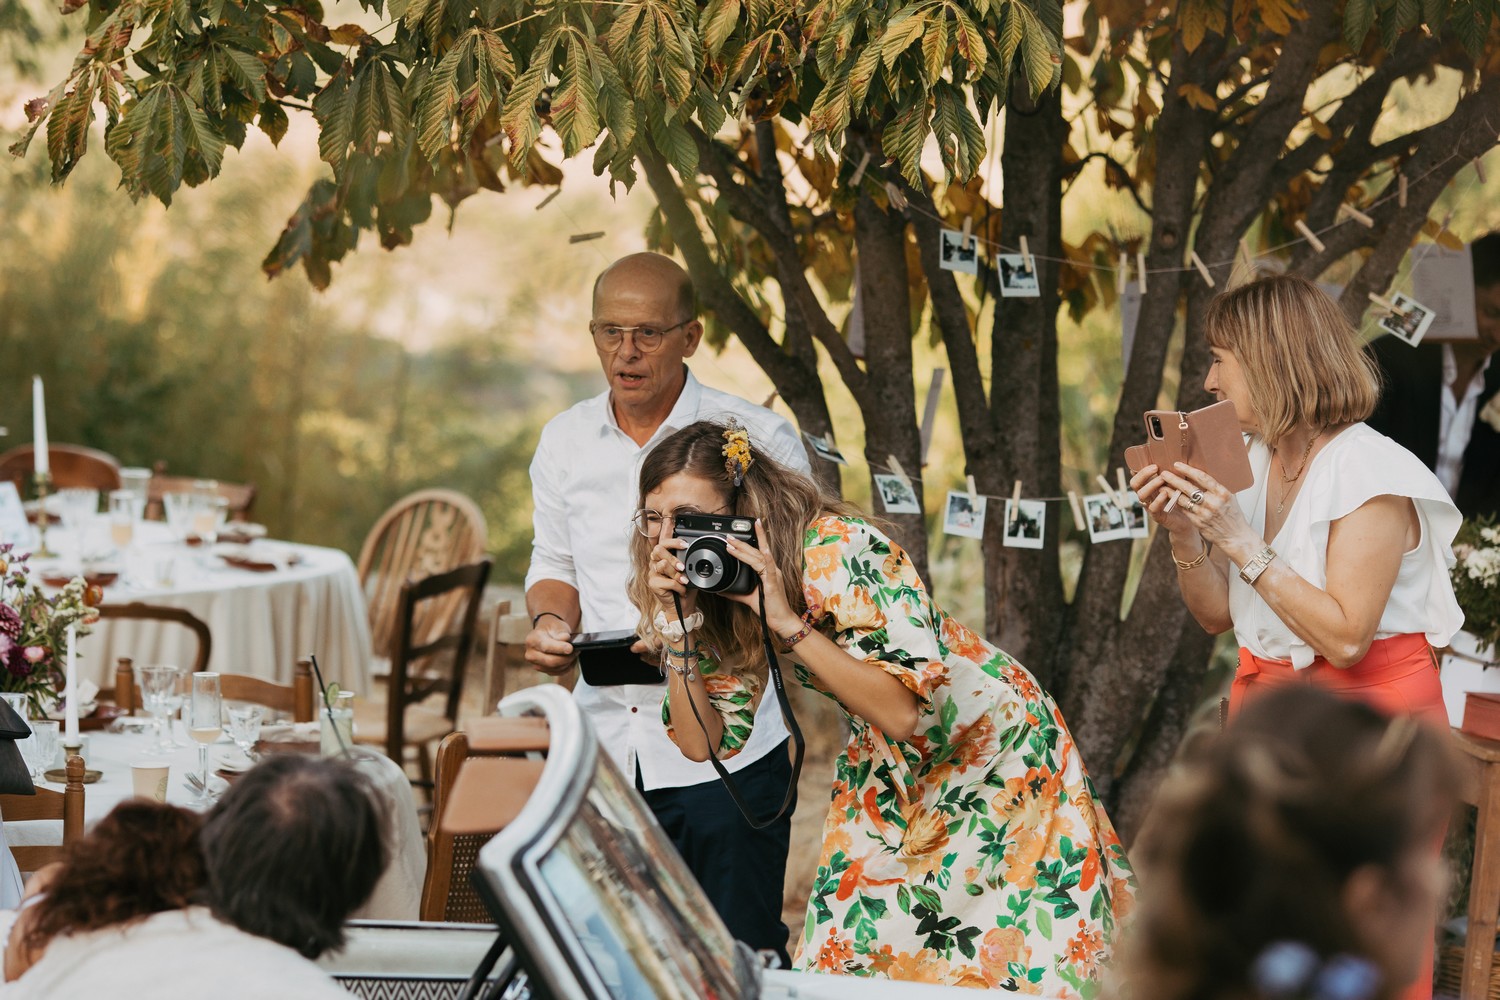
<point x="156" y="902"/>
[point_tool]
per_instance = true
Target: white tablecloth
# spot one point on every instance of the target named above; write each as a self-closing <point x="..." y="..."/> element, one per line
<point x="397" y="896"/>
<point x="262" y="622"/>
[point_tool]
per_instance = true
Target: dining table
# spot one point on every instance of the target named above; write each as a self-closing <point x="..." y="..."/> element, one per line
<point x="111" y="753"/>
<point x="267" y="603"/>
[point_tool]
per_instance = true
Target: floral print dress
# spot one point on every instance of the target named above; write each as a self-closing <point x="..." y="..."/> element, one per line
<point x="974" y="854"/>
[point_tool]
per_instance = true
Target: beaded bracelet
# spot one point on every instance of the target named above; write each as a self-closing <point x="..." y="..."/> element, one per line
<point x="689" y="659"/>
<point x="788" y="641"/>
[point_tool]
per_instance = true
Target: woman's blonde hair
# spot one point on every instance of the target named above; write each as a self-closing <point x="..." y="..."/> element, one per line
<point x="786" y="501"/>
<point x="1302" y="361"/>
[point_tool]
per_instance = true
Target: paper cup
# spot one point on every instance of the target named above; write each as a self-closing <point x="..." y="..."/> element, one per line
<point x="150" y="780"/>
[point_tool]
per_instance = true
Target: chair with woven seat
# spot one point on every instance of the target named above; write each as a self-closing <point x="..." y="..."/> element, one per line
<point x="72" y="465"/>
<point x="415" y="675"/>
<point x="423" y="534"/>
<point x="240" y="496"/>
<point x="448" y="891"/>
<point x="46" y="804"/>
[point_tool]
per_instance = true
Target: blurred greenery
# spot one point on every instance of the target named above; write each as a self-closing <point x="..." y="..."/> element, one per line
<point x="158" y="340"/>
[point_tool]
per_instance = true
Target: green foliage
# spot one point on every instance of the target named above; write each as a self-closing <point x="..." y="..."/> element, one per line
<point x="446" y="97"/>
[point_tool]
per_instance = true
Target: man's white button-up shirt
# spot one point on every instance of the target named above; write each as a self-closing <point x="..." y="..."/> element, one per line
<point x="584" y="481"/>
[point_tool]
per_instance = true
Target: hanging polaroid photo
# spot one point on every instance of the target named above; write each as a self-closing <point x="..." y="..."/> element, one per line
<point x="896" y="494"/>
<point x="964" y="515"/>
<point x="1024" y="527"/>
<point x="1106" y="521"/>
<point x="1016" y="282"/>
<point x="958" y="253"/>
<point x="824" y="449"/>
<point x="1409" y="322"/>
<point x="1135" y="516"/>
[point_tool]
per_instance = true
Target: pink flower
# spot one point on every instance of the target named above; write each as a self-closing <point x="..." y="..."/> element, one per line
<point x="35" y="654"/>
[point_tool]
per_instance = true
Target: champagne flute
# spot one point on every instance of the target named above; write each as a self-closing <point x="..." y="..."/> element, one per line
<point x="205" y="722"/>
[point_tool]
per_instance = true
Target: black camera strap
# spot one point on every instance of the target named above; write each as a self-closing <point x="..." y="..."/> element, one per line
<point x="777" y="681"/>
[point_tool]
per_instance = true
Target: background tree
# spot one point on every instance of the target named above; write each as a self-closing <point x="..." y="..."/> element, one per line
<point x="749" y="119"/>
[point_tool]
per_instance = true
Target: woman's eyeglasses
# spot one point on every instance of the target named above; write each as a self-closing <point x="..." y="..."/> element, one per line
<point x="647" y="339"/>
<point x="648" y="521"/>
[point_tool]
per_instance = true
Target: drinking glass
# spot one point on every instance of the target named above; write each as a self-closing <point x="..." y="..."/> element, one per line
<point x="137" y="482"/>
<point x="336" y="726"/>
<point x="158" y="691"/>
<point x="77" y="506"/>
<point x="244" y="727"/>
<point x="44" y="750"/>
<point x="179" y="509"/>
<point x="122" y="518"/>
<point x="205" y="723"/>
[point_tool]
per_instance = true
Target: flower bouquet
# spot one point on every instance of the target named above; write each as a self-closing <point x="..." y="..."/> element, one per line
<point x="1476" y="580"/>
<point x="34" y="630"/>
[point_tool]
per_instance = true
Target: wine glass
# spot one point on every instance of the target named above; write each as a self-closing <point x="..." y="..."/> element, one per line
<point x="158" y="692"/>
<point x="44" y="749"/>
<point x="179" y="508"/>
<point x="205" y="722"/>
<point x="244" y="727"/>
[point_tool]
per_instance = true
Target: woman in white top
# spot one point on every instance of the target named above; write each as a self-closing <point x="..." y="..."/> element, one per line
<point x="1340" y="551"/>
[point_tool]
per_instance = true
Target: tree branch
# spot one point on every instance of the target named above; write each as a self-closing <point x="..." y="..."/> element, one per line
<point x="1110" y="161"/>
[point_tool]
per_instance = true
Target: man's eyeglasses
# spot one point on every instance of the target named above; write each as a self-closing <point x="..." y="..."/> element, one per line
<point x="647" y="338"/>
<point x="648" y="521"/>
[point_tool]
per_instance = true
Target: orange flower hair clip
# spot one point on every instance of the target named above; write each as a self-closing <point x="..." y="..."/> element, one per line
<point x="736" y="452"/>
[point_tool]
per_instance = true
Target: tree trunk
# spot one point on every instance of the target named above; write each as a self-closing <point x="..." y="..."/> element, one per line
<point x="888" y="406"/>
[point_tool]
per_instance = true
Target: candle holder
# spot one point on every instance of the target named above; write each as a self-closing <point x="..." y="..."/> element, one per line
<point x="43" y="487"/>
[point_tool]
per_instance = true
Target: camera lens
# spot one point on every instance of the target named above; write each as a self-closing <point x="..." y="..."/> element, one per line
<point x="1156" y="427"/>
<point x="704" y="568"/>
<point x="712" y="569"/>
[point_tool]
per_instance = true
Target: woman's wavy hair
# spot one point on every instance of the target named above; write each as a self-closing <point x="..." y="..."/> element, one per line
<point x="1302" y="361"/>
<point x="1254" y="835"/>
<point x="141" y="858"/>
<point x="786" y="501"/>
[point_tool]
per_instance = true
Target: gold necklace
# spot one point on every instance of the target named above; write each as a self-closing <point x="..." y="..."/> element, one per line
<point x="1287" y="489"/>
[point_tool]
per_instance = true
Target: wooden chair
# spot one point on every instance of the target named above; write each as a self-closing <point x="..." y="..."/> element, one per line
<point x="426" y="533"/>
<point x="66" y="805"/>
<point x="413" y="678"/>
<point x="72" y="465"/>
<point x="1479" y="785"/>
<point x="448" y="891"/>
<point x="241" y="496"/>
<point x="160" y="613"/>
<point x="296" y="699"/>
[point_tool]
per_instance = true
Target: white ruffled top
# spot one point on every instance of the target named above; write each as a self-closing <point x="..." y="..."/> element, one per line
<point x="1358" y="465"/>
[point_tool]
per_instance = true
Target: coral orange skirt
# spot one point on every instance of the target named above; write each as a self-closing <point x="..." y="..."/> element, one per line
<point x="1398" y="676"/>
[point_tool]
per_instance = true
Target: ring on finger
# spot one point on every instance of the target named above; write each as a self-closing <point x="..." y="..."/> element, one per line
<point x="1196" y="498"/>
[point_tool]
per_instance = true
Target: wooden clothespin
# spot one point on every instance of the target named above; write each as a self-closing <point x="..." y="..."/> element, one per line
<point x="1401" y="190"/>
<point x="1387" y="305"/>
<point x="1078" y="521"/>
<point x="894" y="193"/>
<point x="1122" y="481"/>
<point x="968" y="232"/>
<point x="1140" y="268"/>
<point x="973" y="492"/>
<point x="1479" y="168"/>
<point x="1310" y="236"/>
<point x="548" y="200"/>
<point x="1109" y="490"/>
<point x="1208" y="279"/>
<point x="1015" y="503"/>
<point x="585" y="237"/>
<point x="770" y="399"/>
<point x="1026" y="263"/>
<point x="1351" y="212"/>
<point x="897" y="470"/>
<point x="859" y="171"/>
<point x="1120" y="274"/>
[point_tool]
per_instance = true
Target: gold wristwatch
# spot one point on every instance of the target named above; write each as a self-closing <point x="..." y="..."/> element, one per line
<point x="1251" y="571"/>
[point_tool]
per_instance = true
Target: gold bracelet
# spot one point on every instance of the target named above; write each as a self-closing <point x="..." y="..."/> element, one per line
<point x="1202" y="555"/>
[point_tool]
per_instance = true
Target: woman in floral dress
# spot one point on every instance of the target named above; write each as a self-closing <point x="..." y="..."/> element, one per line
<point x="964" y="843"/>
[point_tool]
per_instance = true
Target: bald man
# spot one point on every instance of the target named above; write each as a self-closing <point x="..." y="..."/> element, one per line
<point x="584" y="481"/>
